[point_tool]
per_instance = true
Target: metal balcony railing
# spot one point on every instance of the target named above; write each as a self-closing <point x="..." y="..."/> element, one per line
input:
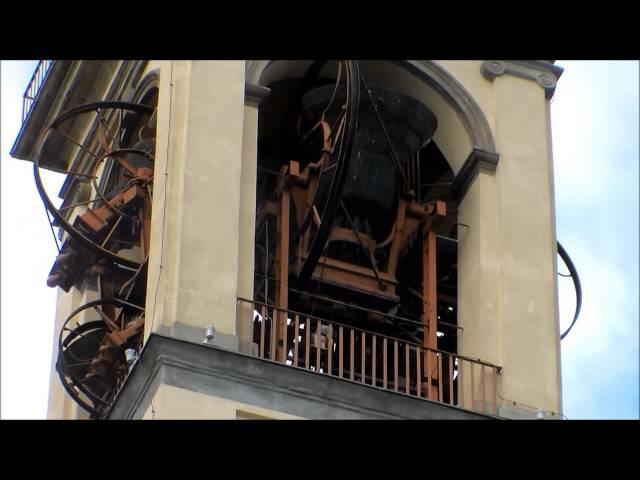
<point x="353" y="354"/>
<point x="37" y="80"/>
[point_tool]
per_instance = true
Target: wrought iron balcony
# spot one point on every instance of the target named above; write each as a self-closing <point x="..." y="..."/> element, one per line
<point x="34" y="87"/>
<point x="356" y="355"/>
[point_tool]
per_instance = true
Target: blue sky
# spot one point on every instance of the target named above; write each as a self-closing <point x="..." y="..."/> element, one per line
<point x="595" y="142"/>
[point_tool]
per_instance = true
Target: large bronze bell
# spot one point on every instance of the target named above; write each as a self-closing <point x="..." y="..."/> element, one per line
<point x="373" y="186"/>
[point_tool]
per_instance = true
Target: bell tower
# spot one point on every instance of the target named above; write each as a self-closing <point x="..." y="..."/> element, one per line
<point x="302" y="239"/>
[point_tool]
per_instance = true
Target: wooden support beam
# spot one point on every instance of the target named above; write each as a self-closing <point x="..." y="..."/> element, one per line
<point x="283" y="276"/>
<point x="430" y="313"/>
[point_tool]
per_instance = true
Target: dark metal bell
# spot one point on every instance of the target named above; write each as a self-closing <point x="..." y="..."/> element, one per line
<point x="372" y="185"/>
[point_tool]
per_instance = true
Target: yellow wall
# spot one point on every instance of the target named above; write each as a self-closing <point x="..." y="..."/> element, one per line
<point x="173" y="403"/>
<point x="507" y="259"/>
<point x="195" y="230"/>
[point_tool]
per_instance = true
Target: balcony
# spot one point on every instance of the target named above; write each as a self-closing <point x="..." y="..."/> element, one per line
<point x="363" y="357"/>
<point x="326" y="372"/>
<point x="34" y="87"/>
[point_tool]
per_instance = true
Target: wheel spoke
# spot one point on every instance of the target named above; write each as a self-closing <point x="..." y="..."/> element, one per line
<point x="97" y="236"/>
<point x="79" y="204"/>
<point x="69" y="172"/>
<point x="75" y="142"/>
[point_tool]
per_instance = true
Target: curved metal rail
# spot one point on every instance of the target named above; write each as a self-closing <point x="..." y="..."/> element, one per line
<point x="576" y="283"/>
<point x="342" y="165"/>
<point x="55" y="213"/>
<point x="73" y="374"/>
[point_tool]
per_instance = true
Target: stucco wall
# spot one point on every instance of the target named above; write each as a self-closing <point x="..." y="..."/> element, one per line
<point x="174" y="403"/>
<point x="507" y="259"/>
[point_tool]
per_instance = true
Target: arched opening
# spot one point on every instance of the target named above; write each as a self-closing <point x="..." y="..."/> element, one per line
<point x="462" y="123"/>
<point x="371" y="273"/>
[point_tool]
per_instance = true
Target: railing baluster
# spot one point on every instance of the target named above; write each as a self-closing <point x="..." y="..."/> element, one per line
<point x="340" y="351"/>
<point x="296" y="339"/>
<point x="307" y="345"/>
<point x="482" y="379"/>
<point x="428" y="370"/>
<point x="373" y="360"/>
<point x="32" y="90"/>
<point x="460" y="383"/>
<point x="329" y="348"/>
<point x="473" y="386"/>
<point x="285" y="343"/>
<point x="440" y="377"/>
<point x="418" y="373"/>
<point x="384" y="362"/>
<point x="363" y="348"/>
<point x="352" y="355"/>
<point x="318" y="344"/>
<point x="450" y="362"/>
<point x="251" y="320"/>
<point x="262" y="327"/>
<point x="427" y="374"/>
<point x="395" y="365"/>
<point x="495" y="391"/>
<point x="407" y="371"/>
<point x="274" y="334"/>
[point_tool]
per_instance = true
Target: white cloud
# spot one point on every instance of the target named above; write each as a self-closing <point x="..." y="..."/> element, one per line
<point x="595" y="134"/>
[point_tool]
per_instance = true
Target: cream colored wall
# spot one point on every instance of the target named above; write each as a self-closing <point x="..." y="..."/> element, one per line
<point x="481" y="89"/>
<point x="528" y="249"/>
<point x="163" y="198"/>
<point x="507" y="259"/>
<point x="246" y="219"/>
<point x="195" y="232"/>
<point x="174" y="403"/>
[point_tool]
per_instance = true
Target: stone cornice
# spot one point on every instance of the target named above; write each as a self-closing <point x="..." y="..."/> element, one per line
<point x="544" y="72"/>
<point x="477" y="160"/>
<point x="210" y="370"/>
<point x="254" y="94"/>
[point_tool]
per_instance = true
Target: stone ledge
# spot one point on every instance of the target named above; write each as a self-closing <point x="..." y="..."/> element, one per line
<point x="254" y="94"/>
<point x="477" y="160"/>
<point x="242" y="378"/>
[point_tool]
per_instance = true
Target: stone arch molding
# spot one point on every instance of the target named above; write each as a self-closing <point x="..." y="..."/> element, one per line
<point x="464" y="134"/>
<point x="151" y="79"/>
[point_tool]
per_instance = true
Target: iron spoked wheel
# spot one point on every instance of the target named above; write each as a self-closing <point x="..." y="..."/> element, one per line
<point x="132" y="171"/>
<point x="91" y="355"/>
<point x="335" y="143"/>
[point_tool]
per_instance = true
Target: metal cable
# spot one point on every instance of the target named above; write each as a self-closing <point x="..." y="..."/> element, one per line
<point x="394" y="154"/>
<point x="164" y="200"/>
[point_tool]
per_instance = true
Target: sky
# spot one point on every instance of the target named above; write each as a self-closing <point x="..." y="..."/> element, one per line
<point x="595" y="146"/>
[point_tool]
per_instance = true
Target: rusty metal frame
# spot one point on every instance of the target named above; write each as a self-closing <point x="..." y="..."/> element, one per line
<point x="113" y="335"/>
<point x="121" y="320"/>
<point x="65" y="225"/>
